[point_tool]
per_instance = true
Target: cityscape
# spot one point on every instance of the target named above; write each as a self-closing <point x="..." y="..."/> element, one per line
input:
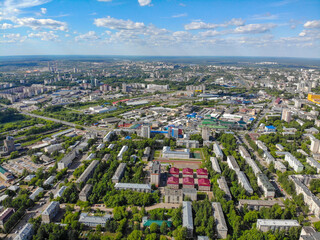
<point x="143" y="142"/>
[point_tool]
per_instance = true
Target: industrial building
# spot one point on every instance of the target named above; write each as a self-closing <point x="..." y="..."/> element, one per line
<point x="168" y="153"/>
<point x="93" y="221"/>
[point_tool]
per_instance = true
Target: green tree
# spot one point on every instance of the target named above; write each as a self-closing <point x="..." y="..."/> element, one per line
<point x="154" y="228"/>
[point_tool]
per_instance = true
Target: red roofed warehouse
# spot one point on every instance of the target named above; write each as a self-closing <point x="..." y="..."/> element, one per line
<point x="173" y="182"/>
<point x="204" y="184"/>
<point x="188" y="182"/>
<point x="174" y="172"/>
<point x="187" y="172"/>
<point x="202" y="173"/>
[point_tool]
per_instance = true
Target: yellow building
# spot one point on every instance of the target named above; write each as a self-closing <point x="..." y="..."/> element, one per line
<point x="314" y="98"/>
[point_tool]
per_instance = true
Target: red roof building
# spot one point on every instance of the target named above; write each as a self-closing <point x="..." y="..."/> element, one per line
<point x="202" y="173"/>
<point x="187" y="172"/>
<point x="173" y="182"/>
<point x="174" y="171"/>
<point x="204" y="184"/>
<point x="188" y="182"/>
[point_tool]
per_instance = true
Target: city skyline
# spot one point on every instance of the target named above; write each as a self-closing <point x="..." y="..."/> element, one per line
<point x="289" y="28"/>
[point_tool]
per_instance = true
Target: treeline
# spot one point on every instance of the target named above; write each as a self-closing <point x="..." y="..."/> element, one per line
<point x="10" y="115"/>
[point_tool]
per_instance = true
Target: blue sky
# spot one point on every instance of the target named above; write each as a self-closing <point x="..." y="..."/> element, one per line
<point x="287" y="28"/>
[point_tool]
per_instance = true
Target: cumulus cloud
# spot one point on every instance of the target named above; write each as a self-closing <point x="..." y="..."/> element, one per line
<point x="254" y="28"/>
<point x="43" y="10"/>
<point x="41" y="23"/>
<point x="312" y="24"/>
<point x="118" y="24"/>
<point x="196" y="25"/>
<point x="143" y="3"/>
<point x="45" y="36"/>
<point x="6" y="26"/>
<point x="91" y="35"/>
<point x="12" y="38"/>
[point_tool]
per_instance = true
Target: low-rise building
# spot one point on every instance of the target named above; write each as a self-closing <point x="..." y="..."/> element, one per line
<point x="217" y="151"/>
<point x="293" y="162"/>
<point x="187" y="219"/>
<point x="220" y="222"/>
<point x="244" y="182"/>
<point x="261" y="145"/>
<point x="138" y="187"/>
<point x="60" y="192"/>
<point x="258" y="204"/>
<point x="93" y="221"/>
<point x="232" y="163"/>
<point x="187" y="143"/>
<point x="5" y="215"/>
<point x="50" y="212"/>
<point x="36" y="193"/>
<point x="215" y="164"/>
<point x="119" y="173"/>
<point x="66" y="161"/>
<point x="122" y="151"/>
<point x="49" y="180"/>
<point x="25" y="233"/>
<point x="309" y="198"/>
<point x="256" y="170"/>
<point x="85" y="192"/>
<point x="265" y="225"/>
<point x="191" y="193"/>
<point x="173" y="195"/>
<point x="268" y="157"/>
<point x="224" y="187"/>
<point x="313" y="163"/>
<point x="309" y="233"/>
<point x="88" y="173"/>
<point x="280" y="166"/>
<point x="267" y="188"/>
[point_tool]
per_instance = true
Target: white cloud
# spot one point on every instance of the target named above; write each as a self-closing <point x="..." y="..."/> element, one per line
<point x="182" y="5"/>
<point x="180" y="15"/>
<point x="104" y="0"/>
<point x="43" y="10"/>
<point x="312" y="24"/>
<point x="144" y="2"/>
<point x="118" y="24"/>
<point x="41" y="23"/>
<point x="13" y="7"/>
<point x="12" y="38"/>
<point x="44" y="36"/>
<point x="6" y="26"/>
<point x="254" y="28"/>
<point x="196" y="25"/>
<point x="91" y="35"/>
<point x="265" y="16"/>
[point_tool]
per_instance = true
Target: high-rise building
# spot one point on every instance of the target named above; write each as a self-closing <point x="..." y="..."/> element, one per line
<point x="315" y="145"/>
<point x="205" y="134"/>
<point x="145" y="131"/>
<point x="155" y="173"/>
<point x="9" y="144"/>
<point x="286" y="115"/>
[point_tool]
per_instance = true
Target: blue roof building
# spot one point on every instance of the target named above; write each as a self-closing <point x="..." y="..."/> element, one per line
<point x="270" y="128"/>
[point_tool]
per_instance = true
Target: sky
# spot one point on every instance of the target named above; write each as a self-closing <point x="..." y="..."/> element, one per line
<point x="286" y="28"/>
